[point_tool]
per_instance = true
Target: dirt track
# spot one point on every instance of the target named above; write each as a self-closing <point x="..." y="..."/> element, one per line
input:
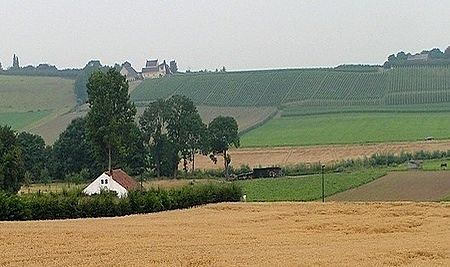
<point x="401" y="186"/>
<point x="262" y="234"/>
<point x="326" y="154"/>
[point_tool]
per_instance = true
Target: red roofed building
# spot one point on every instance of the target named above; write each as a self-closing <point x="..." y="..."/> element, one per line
<point x="119" y="182"/>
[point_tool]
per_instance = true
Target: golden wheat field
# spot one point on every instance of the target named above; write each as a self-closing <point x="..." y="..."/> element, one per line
<point x="239" y="234"/>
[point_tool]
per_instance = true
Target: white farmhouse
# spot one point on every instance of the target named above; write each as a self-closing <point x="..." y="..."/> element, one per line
<point x="120" y="182"/>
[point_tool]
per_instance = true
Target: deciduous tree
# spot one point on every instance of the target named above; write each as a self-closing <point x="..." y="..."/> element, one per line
<point x="223" y="133"/>
<point x="12" y="170"/>
<point x="34" y="153"/>
<point x="111" y="115"/>
<point x="72" y="151"/>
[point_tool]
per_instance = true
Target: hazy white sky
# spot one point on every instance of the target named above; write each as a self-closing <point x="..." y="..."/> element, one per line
<point x="239" y="34"/>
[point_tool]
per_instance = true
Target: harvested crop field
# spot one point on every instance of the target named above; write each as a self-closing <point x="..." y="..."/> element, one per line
<point x="282" y="156"/>
<point x="401" y="186"/>
<point x="268" y="234"/>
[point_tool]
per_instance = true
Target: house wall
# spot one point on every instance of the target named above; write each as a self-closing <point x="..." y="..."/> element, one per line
<point x="96" y="186"/>
<point x="153" y="74"/>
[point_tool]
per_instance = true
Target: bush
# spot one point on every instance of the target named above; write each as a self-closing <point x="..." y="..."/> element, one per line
<point x="74" y="204"/>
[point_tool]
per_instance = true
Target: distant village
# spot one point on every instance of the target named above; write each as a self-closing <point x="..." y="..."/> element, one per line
<point x="153" y="69"/>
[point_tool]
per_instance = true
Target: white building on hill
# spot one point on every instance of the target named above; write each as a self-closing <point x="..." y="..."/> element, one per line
<point x="120" y="182"/>
<point x="153" y="69"/>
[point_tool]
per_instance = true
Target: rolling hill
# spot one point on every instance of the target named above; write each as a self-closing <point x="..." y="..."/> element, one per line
<point x="311" y="102"/>
<point x="27" y="102"/>
<point x="305" y="87"/>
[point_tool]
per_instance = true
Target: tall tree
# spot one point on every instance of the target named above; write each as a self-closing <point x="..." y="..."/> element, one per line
<point x="34" y="153"/>
<point x="180" y="111"/>
<point x="72" y="151"/>
<point x="15" y="64"/>
<point x="172" y="126"/>
<point x="111" y="115"/>
<point x="153" y="122"/>
<point x="223" y="133"/>
<point x="12" y="170"/>
<point x="196" y="139"/>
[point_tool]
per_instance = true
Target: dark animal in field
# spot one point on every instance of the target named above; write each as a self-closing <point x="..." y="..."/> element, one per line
<point x="444" y="165"/>
<point x="213" y="158"/>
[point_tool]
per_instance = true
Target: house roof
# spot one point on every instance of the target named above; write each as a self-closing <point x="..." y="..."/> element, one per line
<point x="131" y="71"/>
<point x="123" y="179"/>
<point x="151" y="63"/>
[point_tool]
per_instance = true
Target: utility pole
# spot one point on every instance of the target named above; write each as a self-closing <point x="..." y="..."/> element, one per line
<point x="323" y="183"/>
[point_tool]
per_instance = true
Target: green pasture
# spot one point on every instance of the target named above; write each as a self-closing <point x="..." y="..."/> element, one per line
<point x="349" y="128"/>
<point x="305" y="188"/>
<point x="19" y="120"/>
<point x="35" y="93"/>
<point x="435" y="165"/>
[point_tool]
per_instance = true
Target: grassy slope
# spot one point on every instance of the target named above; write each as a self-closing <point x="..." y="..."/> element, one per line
<point x="349" y="128"/>
<point x="310" y="87"/>
<point x="27" y="100"/>
<point x="20" y="120"/>
<point x="305" y="188"/>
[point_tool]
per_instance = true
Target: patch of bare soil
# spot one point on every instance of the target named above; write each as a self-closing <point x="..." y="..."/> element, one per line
<point x="257" y="234"/>
<point x="51" y="130"/>
<point x="282" y="156"/>
<point x="401" y="186"/>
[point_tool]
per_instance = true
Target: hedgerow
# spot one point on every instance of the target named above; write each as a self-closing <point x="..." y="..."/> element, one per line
<point x="74" y="204"/>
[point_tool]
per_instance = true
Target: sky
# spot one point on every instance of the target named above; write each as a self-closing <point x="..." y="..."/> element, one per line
<point x="209" y="34"/>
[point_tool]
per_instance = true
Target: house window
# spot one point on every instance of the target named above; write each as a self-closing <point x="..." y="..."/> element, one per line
<point x="106" y="181"/>
<point x="101" y="181"/>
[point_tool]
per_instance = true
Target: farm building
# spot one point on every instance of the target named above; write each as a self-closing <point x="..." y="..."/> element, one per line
<point x="418" y="57"/>
<point x="153" y="69"/>
<point x="267" y="172"/>
<point x="129" y="72"/>
<point x="119" y="182"/>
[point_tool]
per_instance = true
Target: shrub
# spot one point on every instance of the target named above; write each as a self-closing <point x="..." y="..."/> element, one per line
<point x="74" y="204"/>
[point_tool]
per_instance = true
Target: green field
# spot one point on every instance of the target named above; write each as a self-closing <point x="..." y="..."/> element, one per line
<point x="305" y="87"/>
<point x="32" y="93"/>
<point x="29" y="99"/>
<point x="20" y="120"/>
<point x="349" y="128"/>
<point x="305" y="188"/>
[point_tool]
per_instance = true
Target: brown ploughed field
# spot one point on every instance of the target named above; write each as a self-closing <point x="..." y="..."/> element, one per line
<point x="237" y="234"/>
<point x="401" y="186"/>
<point x="282" y="156"/>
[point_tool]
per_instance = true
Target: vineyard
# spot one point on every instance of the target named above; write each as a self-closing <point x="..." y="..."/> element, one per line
<point x="306" y="87"/>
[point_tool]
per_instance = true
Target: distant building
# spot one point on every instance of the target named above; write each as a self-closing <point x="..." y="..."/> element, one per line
<point x="418" y="57"/>
<point x="153" y="69"/>
<point x="129" y="72"/>
<point x="119" y="182"/>
<point x="173" y="66"/>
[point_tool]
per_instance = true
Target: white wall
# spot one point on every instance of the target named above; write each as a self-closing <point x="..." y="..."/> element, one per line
<point x="96" y="186"/>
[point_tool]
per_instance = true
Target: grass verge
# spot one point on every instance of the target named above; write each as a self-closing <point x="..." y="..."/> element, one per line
<point x="306" y="188"/>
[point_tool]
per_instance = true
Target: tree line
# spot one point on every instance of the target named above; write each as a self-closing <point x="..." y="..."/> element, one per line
<point x="435" y="57"/>
<point x="169" y="132"/>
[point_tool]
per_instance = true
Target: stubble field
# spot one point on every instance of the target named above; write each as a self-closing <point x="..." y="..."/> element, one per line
<point x="281" y="156"/>
<point x="401" y="186"/>
<point x="262" y="234"/>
